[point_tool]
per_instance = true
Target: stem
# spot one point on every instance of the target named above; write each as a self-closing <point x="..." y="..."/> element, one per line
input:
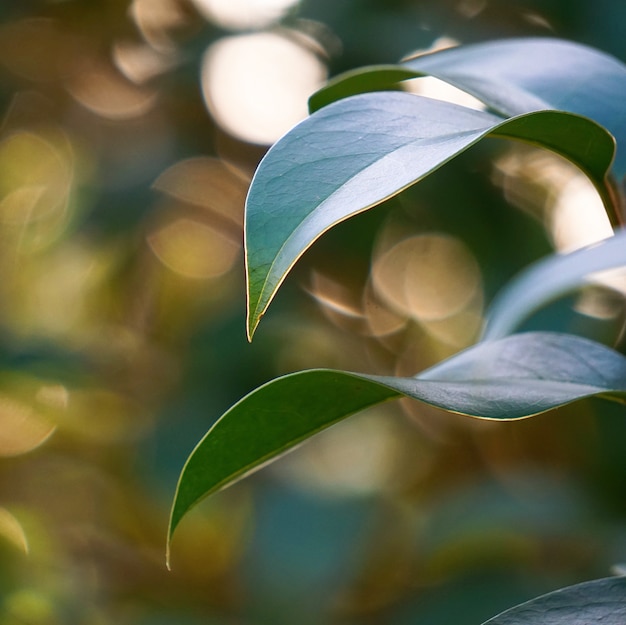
<point x="614" y="203"/>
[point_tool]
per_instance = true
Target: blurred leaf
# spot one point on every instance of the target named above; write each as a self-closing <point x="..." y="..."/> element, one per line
<point x="516" y="377"/>
<point x="548" y="280"/>
<point x="355" y="153"/>
<point x="512" y="77"/>
<point x="600" y="601"/>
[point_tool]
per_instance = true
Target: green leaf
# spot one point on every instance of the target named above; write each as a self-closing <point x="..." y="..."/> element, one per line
<point x="548" y="280"/>
<point x="355" y="153"/>
<point x="599" y="601"/>
<point x="514" y="76"/>
<point x="516" y="377"/>
<point x="360" y="80"/>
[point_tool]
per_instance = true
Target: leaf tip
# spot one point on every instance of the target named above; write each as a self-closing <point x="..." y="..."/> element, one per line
<point x="168" y="543"/>
<point x="255" y="312"/>
<point x="252" y="324"/>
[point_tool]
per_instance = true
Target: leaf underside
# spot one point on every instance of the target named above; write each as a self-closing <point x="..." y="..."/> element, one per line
<point x="519" y="376"/>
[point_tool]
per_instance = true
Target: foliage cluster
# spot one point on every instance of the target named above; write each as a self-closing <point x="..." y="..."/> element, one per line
<point x="122" y="325"/>
<point x="361" y="146"/>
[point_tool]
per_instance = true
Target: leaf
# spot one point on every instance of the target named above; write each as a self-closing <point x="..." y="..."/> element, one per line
<point x="549" y="279"/>
<point x="360" y="80"/>
<point x="514" y="76"/>
<point x="599" y="601"/>
<point x="516" y="377"/>
<point x="355" y="153"/>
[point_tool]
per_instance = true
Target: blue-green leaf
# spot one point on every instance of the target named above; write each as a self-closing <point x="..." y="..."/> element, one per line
<point x="513" y="76"/>
<point x="355" y="153"/>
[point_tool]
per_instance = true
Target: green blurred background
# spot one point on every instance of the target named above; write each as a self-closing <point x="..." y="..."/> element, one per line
<point x="129" y="133"/>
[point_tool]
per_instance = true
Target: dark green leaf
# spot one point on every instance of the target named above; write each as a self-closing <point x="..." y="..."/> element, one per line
<point x="600" y="601"/>
<point x="549" y="279"/>
<point x="516" y="377"/>
<point x="355" y="153"/>
<point x="360" y="80"/>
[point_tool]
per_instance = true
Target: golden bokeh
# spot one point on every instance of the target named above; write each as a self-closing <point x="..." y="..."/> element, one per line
<point x="22" y="429"/>
<point x="158" y="20"/>
<point x="36" y="178"/>
<point x="208" y="183"/>
<point x="426" y="277"/>
<point x="193" y="250"/>
<point x="100" y="88"/>
<point x="140" y="62"/>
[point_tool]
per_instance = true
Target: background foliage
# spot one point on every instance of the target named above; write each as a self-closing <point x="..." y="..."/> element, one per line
<point x="129" y="134"/>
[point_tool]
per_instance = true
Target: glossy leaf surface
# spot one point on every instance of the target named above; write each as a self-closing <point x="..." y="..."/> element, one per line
<point x="516" y="377"/>
<point x="355" y="153"/>
<point x="599" y="601"/>
<point x="514" y="76"/>
<point x="548" y="280"/>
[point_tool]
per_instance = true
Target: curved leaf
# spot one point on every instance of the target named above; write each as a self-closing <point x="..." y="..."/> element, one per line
<point x="514" y="76"/>
<point x="516" y="377"/>
<point x="360" y="80"/>
<point x="357" y="152"/>
<point x="599" y="601"/>
<point x="548" y="280"/>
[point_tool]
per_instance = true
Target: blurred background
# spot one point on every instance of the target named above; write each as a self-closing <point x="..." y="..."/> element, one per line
<point x="129" y="133"/>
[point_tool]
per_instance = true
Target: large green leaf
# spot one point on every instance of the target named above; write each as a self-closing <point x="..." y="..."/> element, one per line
<point x="549" y="279"/>
<point x="513" y="76"/>
<point x="516" y="377"/>
<point x="600" y="601"/>
<point x="355" y="153"/>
